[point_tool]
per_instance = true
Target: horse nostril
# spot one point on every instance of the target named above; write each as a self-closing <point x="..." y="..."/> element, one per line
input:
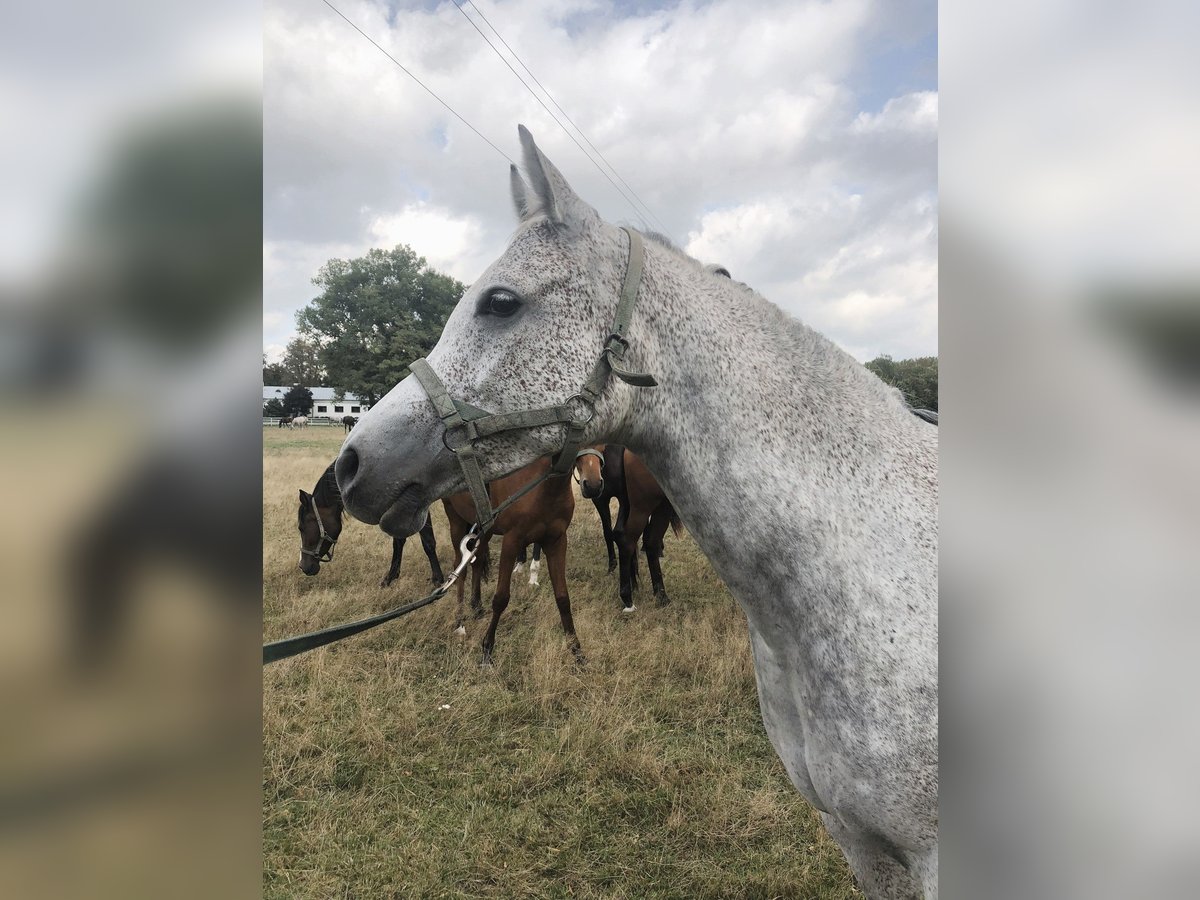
<point x="346" y="467"/>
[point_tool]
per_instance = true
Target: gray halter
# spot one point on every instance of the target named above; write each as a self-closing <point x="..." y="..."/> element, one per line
<point x="320" y="555"/>
<point x="466" y="424"/>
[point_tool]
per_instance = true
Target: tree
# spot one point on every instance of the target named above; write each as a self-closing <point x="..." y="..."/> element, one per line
<point x="298" y="401"/>
<point x="917" y="379"/>
<point x="302" y="363"/>
<point x="274" y="407"/>
<point x="275" y="373"/>
<point x="376" y="314"/>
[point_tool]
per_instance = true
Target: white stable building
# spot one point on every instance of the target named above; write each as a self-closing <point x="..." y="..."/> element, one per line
<point x="324" y="405"/>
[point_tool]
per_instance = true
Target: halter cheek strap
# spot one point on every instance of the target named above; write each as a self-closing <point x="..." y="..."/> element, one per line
<point x="466" y="424"/>
<point x="327" y="555"/>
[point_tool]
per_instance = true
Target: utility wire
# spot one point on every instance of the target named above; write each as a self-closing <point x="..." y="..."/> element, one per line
<point x="418" y="81"/>
<point x="565" y="115"/>
<point x="617" y="187"/>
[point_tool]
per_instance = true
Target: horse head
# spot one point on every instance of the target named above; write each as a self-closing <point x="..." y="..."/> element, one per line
<point x="319" y="526"/>
<point x="526" y="335"/>
<point x="589" y="470"/>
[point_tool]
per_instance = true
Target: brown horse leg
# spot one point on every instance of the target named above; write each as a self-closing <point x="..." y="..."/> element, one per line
<point x="508" y="558"/>
<point x="429" y="545"/>
<point x="627" y="544"/>
<point x="556" y="562"/>
<point x="458" y="530"/>
<point x="652" y="544"/>
<point x="478" y="571"/>
<point x="394" y="569"/>
<point x="605" y="511"/>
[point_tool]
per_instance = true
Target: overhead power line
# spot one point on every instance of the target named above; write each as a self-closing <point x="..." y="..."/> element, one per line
<point x="427" y="89"/>
<point x="631" y="201"/>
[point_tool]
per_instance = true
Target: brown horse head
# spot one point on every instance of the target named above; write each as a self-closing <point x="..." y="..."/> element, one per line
<point x="589" y="471"/>
<point x="319" y="521"/>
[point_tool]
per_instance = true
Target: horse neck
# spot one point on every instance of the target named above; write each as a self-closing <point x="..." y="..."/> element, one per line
<point x="326" y="492"/>
<point x="761" y="425"/>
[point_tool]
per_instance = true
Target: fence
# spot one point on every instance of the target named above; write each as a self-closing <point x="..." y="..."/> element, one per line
<point x="273" y="421"/>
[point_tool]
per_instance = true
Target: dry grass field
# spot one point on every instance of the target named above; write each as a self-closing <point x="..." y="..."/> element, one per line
<point x="395" y="767"/>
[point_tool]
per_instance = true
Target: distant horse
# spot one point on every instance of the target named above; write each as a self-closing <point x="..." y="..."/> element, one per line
<point x="602" y="478"/>
<point x="348" y="422"/>
<point x="540" y="517"/>
<point x="644" y="513"/>
<point x="300" y="422"/>
<point x="319" y="521"/>
<point x="801" y="476"/>
<point x="285" y="422"/>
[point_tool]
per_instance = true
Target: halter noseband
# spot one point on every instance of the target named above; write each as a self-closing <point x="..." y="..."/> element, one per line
<point x="476" y="424"/>
<point x="319" y="554"/>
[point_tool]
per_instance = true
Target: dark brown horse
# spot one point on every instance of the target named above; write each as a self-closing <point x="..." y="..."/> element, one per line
<point x="643" y="512"/>
<point x="541" y="516"/>
<point x="319" y="521"/>
<point x="348" y="422"/>
<point x="602" y="478"/>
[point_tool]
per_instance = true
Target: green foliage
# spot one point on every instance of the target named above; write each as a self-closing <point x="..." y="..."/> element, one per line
<point x="274" y="407"/>
<point x="275" y="373"/>
<point x="917" y="378"/>
<point x="375" y="314"/>
<point x="298" y="401"/>
<point x="302" y="363"/>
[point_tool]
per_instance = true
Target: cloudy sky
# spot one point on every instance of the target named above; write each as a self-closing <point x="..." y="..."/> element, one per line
<point x="794" y="142"/>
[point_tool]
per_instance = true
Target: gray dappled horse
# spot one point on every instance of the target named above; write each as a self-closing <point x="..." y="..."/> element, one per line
<point x="803" y="478"/>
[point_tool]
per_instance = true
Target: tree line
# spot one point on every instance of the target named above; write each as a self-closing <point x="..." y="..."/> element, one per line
<point x="377" y="313"/>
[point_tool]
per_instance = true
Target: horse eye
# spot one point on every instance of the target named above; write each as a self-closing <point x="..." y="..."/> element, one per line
<point x="502" y="303"/>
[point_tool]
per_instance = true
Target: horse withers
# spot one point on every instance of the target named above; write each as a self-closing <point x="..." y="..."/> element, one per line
<point x="319" y="520"/>
<point x="826" y="486"/>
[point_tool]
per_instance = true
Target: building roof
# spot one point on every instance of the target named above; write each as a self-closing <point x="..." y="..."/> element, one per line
<point x="320" y="394"/>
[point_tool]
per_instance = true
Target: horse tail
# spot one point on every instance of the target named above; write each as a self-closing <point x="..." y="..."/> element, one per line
<point x="676" y="523"/>
<point x="485" y="560"/>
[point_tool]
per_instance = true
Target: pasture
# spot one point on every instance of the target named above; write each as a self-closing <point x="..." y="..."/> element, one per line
<point x="394" y="766"/>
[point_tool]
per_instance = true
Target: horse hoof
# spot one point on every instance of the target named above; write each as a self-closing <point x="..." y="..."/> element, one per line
<point x="662" y="599"/>
<point x="533" y="579"/>
<point x="518" y="567"/>
<point x="630" y="608"/>
<point x="460" y="631"/>
<point x="612" y="567"/>
<point x="486" y="664"/>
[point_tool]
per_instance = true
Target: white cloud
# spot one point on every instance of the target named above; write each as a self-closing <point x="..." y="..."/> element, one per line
<point x="737" y="123"/>
<point x="451" y="244"/>
<point x="916" y="113"/>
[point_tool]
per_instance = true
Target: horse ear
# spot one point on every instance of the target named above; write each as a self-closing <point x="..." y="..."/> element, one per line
<point x="520" y="193"/>
<point x="304" y="498"/>
<point x="549" y="193"/>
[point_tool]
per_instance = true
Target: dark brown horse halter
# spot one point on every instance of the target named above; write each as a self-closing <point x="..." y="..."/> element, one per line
<point x="320" y="555"/>
<point x="466" y="424"/>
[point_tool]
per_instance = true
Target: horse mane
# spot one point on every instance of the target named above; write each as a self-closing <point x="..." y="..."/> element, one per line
<point x="326" y="492"/>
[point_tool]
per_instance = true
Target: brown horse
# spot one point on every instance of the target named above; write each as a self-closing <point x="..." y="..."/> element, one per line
<point x="319" y="521"/>
<point x="644" y="512"/>
<point x="541" y="516"/>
